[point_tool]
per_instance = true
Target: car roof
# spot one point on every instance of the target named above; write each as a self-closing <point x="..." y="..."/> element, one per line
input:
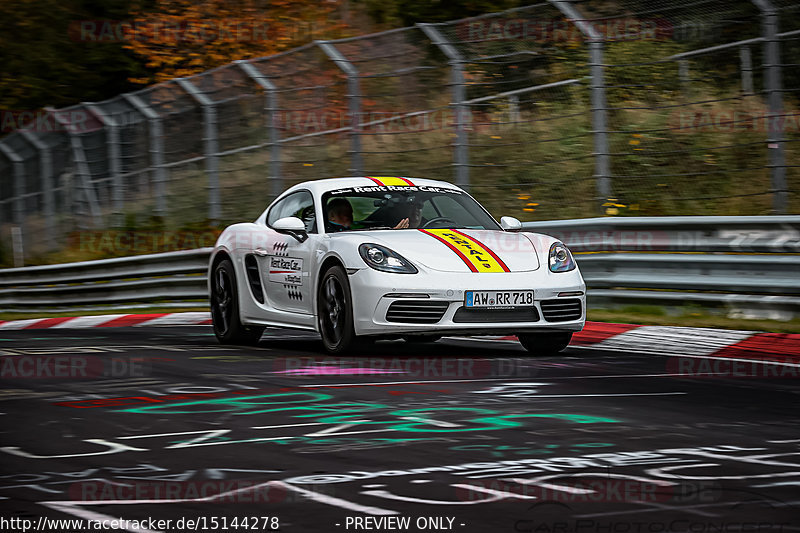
<point x="322" y="186"/>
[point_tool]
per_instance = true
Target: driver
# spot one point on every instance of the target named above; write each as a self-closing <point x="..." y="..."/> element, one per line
<point x="340" y="214"/>
<point x="412" y="216"/>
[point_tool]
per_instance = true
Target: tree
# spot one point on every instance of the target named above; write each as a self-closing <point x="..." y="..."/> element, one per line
<point x="176" y="38"/>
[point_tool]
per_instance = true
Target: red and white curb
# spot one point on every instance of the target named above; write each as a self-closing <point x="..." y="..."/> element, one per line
<point x="782" y="348"/>
<point x="110" y="321"/>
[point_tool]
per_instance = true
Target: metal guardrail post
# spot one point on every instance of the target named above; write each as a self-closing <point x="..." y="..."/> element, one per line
<point x="84" y="173"/>
<point x="17" y="164"/>
<point x="270" y="91"/>
<point x="115" y="164"/>
<point x="46" y="173"/>
<point x="354" y="104"/>
<point x="211" y="141"/>
<point x="156" y="134"/>
<point x="602" y="171"/>
<point x="773" y="89"/>
<point x="461" y="152"/>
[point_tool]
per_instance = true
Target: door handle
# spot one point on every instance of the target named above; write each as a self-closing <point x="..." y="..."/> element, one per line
<point x="260" y="252"/>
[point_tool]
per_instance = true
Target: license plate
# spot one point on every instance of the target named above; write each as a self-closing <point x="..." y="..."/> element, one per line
<point x="498" y="299"/>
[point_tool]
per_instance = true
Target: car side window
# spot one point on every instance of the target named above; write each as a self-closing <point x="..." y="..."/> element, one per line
<point x="299" y="204"/>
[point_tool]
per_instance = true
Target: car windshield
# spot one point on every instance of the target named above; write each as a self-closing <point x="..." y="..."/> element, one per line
<point x="385" y="207"/>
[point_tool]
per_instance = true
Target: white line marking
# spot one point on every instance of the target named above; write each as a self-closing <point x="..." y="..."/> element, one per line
<point x="432" y="422"/>
<point x="338" y="502"/>
<point x="493" y="492"/>
<point x="534" y="396"/>
<point x="289" y="425"/>
<point x="334" y="429"/>
<point x="551" y="486"/>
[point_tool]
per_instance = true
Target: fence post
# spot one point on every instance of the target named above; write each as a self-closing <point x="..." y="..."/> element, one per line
<point x="683" y="74"/>
<point x="461" y="152"/>
<point x="746" y="66"/>
<point x="82" y="170"/>
<point x="115" y="166"/>
<point x="602" y="171"/>
<point x="211" y="142"/>
<point x="276" y="184"/>
<point x="353" y="101"/>
<point x="156" y="134"/>
<point x="18" y="184"/>
<point x="46" y="172"/>
<point x="773" y="89"/>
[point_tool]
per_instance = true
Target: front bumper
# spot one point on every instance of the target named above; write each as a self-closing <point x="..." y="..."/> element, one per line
<point x="374" y="292"/>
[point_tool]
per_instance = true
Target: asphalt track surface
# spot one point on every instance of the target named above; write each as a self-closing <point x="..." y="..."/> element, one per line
<point x="149" y="424"/>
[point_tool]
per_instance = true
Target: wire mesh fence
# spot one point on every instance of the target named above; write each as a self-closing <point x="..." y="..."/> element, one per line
<point x="562" y="109"/>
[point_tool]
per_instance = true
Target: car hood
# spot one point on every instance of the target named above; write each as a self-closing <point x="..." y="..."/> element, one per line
<point x="461" y="250"/>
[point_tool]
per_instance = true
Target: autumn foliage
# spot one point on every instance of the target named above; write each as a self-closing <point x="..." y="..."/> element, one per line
<point x="177" y="38"/>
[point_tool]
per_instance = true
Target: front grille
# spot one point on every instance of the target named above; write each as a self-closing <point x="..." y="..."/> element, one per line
<point x="416" y="311"/>
<point x="464" y="315"/>
<point x="561" y="310"/>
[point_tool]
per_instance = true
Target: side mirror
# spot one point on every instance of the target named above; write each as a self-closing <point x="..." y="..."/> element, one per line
<point x="510" y="224"/>
<point x="291" y="226"/>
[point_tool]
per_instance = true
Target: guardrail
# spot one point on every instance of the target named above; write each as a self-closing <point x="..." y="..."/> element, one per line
<point x="171" y="279"/>
<point x="738" y="263"/>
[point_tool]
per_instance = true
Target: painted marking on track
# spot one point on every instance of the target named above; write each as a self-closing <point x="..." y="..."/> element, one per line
<point x="551" y="486"/>
<point x="379" y="383"/>
<point x="290" y="425"/>
<point x="338" y="502"/>
<point x="605" y="395"/>
<point x="438" y="423"/>
<point x="335" y="429"/>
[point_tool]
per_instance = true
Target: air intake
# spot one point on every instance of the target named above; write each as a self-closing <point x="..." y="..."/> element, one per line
<point x="416" y="311"/>
<point x="561" y="310"/>
<point x="254" y="278"/>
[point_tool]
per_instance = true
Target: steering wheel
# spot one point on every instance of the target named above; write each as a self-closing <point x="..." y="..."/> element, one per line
<point x="438" y="219"/>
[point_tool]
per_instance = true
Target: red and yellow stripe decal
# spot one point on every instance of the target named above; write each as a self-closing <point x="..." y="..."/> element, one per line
<point x="473" y="252"/>
<point x="394" y="182"/>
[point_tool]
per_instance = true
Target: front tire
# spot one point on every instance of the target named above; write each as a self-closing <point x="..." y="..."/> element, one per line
<point x="335" y="311"/>
<point x="543" y="344"/>
<point x="225" y="318"/>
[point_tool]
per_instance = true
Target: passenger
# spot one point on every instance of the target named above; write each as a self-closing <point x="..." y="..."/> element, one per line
<point x="340" y="214"/>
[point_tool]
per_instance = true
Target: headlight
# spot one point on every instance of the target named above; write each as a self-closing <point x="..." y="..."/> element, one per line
<point x="383" y="259"/>
<point x="560" y="259"/>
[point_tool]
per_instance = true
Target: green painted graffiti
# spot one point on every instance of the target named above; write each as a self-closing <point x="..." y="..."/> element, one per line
<point x="304" y="405"/>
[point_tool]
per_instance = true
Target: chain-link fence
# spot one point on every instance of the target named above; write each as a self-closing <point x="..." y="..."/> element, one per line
<point x="563" y="109"/>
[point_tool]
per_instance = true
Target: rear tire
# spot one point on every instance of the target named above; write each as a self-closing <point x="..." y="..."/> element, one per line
<point x="225" y="318"/>
<point x="335" y="311"/>
<point x="543" y="344"/>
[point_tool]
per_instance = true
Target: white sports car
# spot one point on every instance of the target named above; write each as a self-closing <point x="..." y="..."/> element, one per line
<point x="364" y="258"/>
